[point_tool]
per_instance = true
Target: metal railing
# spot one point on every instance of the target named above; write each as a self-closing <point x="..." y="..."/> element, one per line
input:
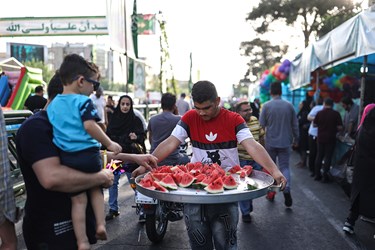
<point x="13" y="120"/>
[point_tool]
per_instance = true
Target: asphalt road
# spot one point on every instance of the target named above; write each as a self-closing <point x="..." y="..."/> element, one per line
<point x="313" y="222"/>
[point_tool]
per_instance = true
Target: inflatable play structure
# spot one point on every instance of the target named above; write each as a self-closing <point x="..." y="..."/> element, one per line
<point x="17" y="82"/>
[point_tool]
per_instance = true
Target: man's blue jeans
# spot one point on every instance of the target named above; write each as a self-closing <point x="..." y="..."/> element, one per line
<point x="246" y="206"/>
<point x="212" y="225"/>
<point x="113" y="192"/>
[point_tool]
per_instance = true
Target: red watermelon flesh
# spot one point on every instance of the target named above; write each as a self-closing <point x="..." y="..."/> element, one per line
<point x="147" y="184"/>
<point x="200" y="178"/>
<point x="159" y="187"/>
<point x="168" y="182"/>
<point x="159" y="176"/>
<point x="190" y="166"/>
<point x="234" y="169"/>
<point x="209" y="178"/>
<point x="216" y="186"/>
<point x="229" y="182"/>
<point x="177" y="177"/>
<point x="248" y="169"/>
<point x="186" y="180"/>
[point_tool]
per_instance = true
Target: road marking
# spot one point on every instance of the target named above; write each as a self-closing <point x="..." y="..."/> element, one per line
<point x="336" y="224"/>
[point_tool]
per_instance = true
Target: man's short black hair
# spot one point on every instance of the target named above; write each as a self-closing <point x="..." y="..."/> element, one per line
<point x="275" y="88"/>
<point x="55" y="86"/>
<point x="38" y="89"/>
<point x="328" y="102"/>
<point x="203" y="91"/>
<point x="347" y="100"/>
<point x="168" y="101"/>
<point x="183" y="95"/>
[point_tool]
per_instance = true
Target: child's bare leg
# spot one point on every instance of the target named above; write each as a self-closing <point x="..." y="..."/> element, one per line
<point x="79" y="203"/>
<point x="97" y="202"/>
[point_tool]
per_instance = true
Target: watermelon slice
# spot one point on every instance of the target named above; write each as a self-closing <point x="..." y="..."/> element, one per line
<point x="209" y="178"/>
<point x="186" y="180"/>
<point x="168" y="182"/>
<point x="242" y="173"/>
<point x="234" y="169"/>
<point x="190" y="166"/>
<point x="248" y="169"/>
<point x="159" y="187"/>
<point x="159" y="176"/>
<point x="215" y="187"/>
<point x="229" y="182"/>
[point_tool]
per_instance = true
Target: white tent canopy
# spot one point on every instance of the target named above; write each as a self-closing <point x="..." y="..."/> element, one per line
<point x="351" y="40"/>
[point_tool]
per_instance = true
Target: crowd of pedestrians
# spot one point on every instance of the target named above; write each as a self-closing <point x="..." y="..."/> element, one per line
<point x="258" y="135"/>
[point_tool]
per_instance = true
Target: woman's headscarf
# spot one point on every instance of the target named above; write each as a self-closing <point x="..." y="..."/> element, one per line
<point x="367" y="109"/>
<point x="121" y="123"/>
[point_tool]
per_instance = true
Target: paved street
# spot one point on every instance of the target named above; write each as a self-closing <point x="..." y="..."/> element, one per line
<point x="314" y="222"/>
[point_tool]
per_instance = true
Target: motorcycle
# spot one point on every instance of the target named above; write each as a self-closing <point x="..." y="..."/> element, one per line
<point x="157" y="213"/>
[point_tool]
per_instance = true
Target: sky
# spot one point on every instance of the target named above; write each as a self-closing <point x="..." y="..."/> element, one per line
<point x="211" y="30"/>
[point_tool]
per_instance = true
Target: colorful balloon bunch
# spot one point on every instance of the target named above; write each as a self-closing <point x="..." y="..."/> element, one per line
<point x="278" y="72"/>
<point x="337" y="83"/>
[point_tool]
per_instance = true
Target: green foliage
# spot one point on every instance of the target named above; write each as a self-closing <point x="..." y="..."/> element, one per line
<point x="263" y="55"/>
<point x="312" y="15"/>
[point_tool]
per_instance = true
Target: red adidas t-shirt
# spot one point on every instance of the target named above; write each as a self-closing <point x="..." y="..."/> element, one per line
<point x="213" y="141"/>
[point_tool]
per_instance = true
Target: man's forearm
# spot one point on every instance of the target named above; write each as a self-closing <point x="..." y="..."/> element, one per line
<point x="56" y="177"/>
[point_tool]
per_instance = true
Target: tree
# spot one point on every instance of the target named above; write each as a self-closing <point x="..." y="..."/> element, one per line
<point x="263" y="55"/>
<point x="312" y="15"/>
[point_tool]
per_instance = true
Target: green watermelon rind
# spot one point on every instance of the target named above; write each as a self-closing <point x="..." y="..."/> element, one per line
<point x="172" y="185"/>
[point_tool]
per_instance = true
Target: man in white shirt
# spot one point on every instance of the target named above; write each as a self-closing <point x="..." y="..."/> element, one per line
<point x="313" y="134"/>
<point x="100" y="104"/>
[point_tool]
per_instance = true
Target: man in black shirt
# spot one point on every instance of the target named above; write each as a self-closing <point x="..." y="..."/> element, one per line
<point x="37" y="101"/>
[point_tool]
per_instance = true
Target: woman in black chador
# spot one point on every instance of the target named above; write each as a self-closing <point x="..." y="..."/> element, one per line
<point x="363" y="186"/>
<point x="126" y="129"/>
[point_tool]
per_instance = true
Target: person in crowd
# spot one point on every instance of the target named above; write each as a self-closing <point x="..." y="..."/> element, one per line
<point x="244" y="109"/>
<point x="213" y="132"/>
<point x="48" y="225"/>
<point x="182" y="105"/>
<point x="140" y="115"/>
<point x="8" y="236"/>
<point x="329" y="123"/>
<point x="161" y="126"/>
<point x="100" y="105"/>
<point x="303" y="126"/>
<point x="279" y="119"/>
<point x="313" y="135"/>
<point x="126" y="129"/>
<point x="255" y="106"/>
<point x="351" y="116"/>
<point x="78" y="136"/>
<point x="37" y="101"/>
<point x="110" y="107"/>
<point x="363" y="185"/>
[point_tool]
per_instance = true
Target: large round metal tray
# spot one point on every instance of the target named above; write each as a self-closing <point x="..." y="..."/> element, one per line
<point x="200" y="196"/>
